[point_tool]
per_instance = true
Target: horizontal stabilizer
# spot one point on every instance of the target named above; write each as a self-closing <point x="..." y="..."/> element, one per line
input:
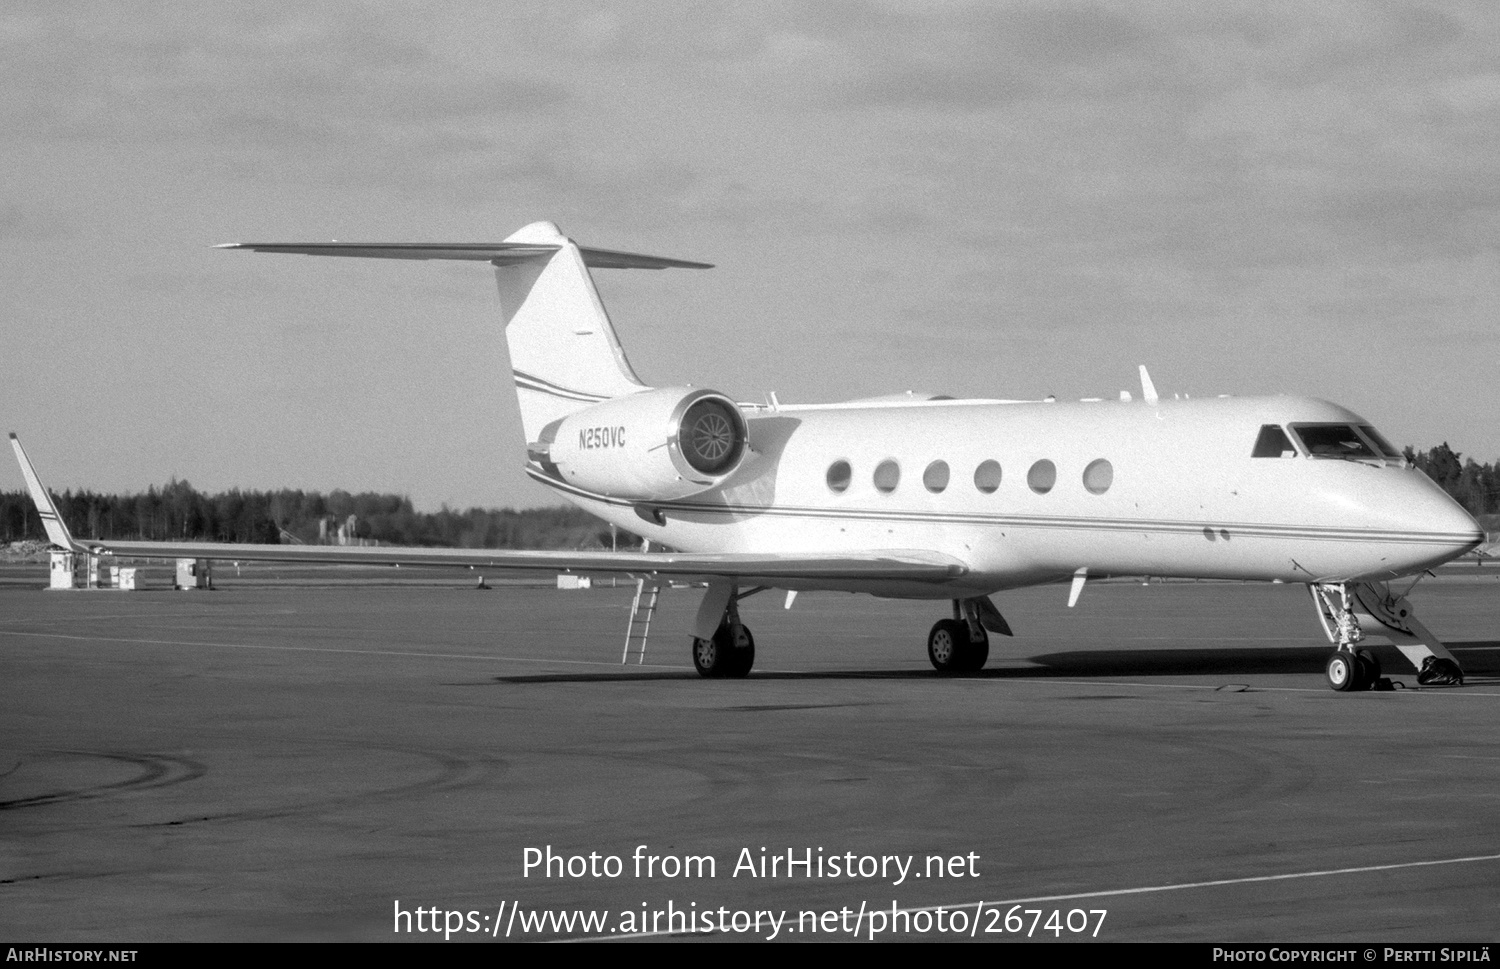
<point x="499" y="253"/>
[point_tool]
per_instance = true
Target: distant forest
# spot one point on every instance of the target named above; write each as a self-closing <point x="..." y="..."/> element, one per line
<point x="1473" y="485"/>
<point x="178" y="511"/>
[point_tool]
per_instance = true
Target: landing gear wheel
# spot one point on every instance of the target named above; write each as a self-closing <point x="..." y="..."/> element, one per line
<point x="977" y="652"/>
<point x="1367" y="669"/>
<point x="1342" y="671"/>
<point x="708" y="659"/>
<point x="741" y="653"/>
<point x="948" y="647"/>
<point x="723" y="656"/>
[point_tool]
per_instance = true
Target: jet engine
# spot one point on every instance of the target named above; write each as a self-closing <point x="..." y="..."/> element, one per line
<point x="656" y="445"/>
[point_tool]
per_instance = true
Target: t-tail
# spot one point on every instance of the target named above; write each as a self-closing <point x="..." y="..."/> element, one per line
<point x="564" y="352"/>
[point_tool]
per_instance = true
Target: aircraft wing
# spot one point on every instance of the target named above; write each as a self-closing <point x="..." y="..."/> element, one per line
<point x="886" y="565"/>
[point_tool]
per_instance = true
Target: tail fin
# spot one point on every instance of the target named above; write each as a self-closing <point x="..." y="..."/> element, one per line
<point x="57" y="532"/>
<point x="563" y="350"/>
<point x="564" y="353"/>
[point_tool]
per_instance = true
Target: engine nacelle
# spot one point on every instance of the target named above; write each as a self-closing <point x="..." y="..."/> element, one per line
<point x="658" y="445"/>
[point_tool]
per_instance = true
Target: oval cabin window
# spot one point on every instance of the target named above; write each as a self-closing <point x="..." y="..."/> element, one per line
<point x="1098" y="476"/>
<point x="987" y="477"/>
<point x="935" y="478"/>
<point x="887" y="476"/>
<point x="839" y="475"/>
<point x="1042" y="476"/>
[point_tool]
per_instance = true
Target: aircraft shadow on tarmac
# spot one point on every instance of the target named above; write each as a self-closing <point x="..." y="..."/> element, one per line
<point x="1479" y="659"/>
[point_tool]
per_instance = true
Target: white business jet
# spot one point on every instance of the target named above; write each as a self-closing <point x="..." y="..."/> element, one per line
<point x="920" y="497"/>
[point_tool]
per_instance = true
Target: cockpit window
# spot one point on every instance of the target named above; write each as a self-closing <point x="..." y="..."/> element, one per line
<point x="1381" y="444"/>
<point x="1273" y="443"/>
<point x="1334" y="441"/>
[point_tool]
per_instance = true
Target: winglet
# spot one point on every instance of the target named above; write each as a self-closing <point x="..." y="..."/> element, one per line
<point x="1148" y="389"/>
<point x="57" y="532"/>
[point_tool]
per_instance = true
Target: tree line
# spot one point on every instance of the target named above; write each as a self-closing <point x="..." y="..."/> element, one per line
<point x="1473" y="485"/>
<point x="179" y="512"/>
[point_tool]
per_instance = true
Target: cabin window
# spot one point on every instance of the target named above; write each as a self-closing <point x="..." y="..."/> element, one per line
<point x="1273" y="443"/>
<point x="987" y="476"/>
<point x="1333" y="441"/>
<point x="1098" y="476"/>
<point x="839" y="475"/>
<point x="1042" y="476"/>
<point x="935" y="478"/>
<point x="887" y="476"/>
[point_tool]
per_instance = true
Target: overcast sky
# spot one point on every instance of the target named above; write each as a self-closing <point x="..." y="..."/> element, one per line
<point x="980" y="199"/>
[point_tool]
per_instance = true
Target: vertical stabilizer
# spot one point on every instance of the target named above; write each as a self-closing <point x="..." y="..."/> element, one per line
<point x="563" y="349"/>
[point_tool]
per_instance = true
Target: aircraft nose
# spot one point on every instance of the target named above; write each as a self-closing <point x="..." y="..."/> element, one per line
<point x="1445" y="525"/>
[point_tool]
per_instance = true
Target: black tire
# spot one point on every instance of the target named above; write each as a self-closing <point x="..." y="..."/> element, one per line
<point x="978" y="653"/>
<point x="741" y="652"/>
<point x="948" y="646"/>
<point x="721" y="657"/>
<point x="709" y="658"/>
<point x="1368" y="669"/>
<point x="1342" y="671"/>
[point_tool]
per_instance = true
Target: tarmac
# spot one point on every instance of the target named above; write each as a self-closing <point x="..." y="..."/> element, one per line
<point x="343" y="756"/>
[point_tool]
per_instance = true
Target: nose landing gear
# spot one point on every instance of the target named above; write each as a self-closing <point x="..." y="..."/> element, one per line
<point x="1352" y="671"/>
<point x="1347" y="609"/>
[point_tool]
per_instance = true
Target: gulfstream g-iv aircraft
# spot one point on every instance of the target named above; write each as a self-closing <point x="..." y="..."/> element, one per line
<point x="920" y="497"/>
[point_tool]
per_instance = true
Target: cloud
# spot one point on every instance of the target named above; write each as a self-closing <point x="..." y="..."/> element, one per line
<point x="35" y="221"/>
<point x="335" y="90"/>
<point x="1078" y="173"/>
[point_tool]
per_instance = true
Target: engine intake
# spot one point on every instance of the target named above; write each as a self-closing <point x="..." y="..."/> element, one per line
<point x="656" y="445"/>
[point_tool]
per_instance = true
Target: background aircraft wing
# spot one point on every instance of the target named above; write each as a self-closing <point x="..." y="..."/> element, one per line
<point x="891" y="565"/>
<point x="770" y="569"/>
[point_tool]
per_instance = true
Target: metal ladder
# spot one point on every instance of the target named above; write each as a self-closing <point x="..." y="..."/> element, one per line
<point x="641" y="611"/>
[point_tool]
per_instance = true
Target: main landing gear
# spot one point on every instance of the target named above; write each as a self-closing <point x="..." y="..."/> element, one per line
<point x="953" y="649"/>
<point x="730" y="652"/>
<point x="962" y="644"/>
<point x="728" y="655"/>
<point x="1347" y="608"/>
<point x="957" y="645"/>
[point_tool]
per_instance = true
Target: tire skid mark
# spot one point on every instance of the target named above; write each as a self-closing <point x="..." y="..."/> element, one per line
<point x="452" y="773"/>
<point x="59" y="876"/>
<point x="156" y="771"/>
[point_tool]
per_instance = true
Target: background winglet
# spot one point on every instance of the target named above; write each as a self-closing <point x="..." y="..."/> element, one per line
<point x="57" y="532"/>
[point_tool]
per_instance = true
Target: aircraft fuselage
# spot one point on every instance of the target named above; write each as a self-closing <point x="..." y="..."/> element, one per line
<point x="1028" y="492"/>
